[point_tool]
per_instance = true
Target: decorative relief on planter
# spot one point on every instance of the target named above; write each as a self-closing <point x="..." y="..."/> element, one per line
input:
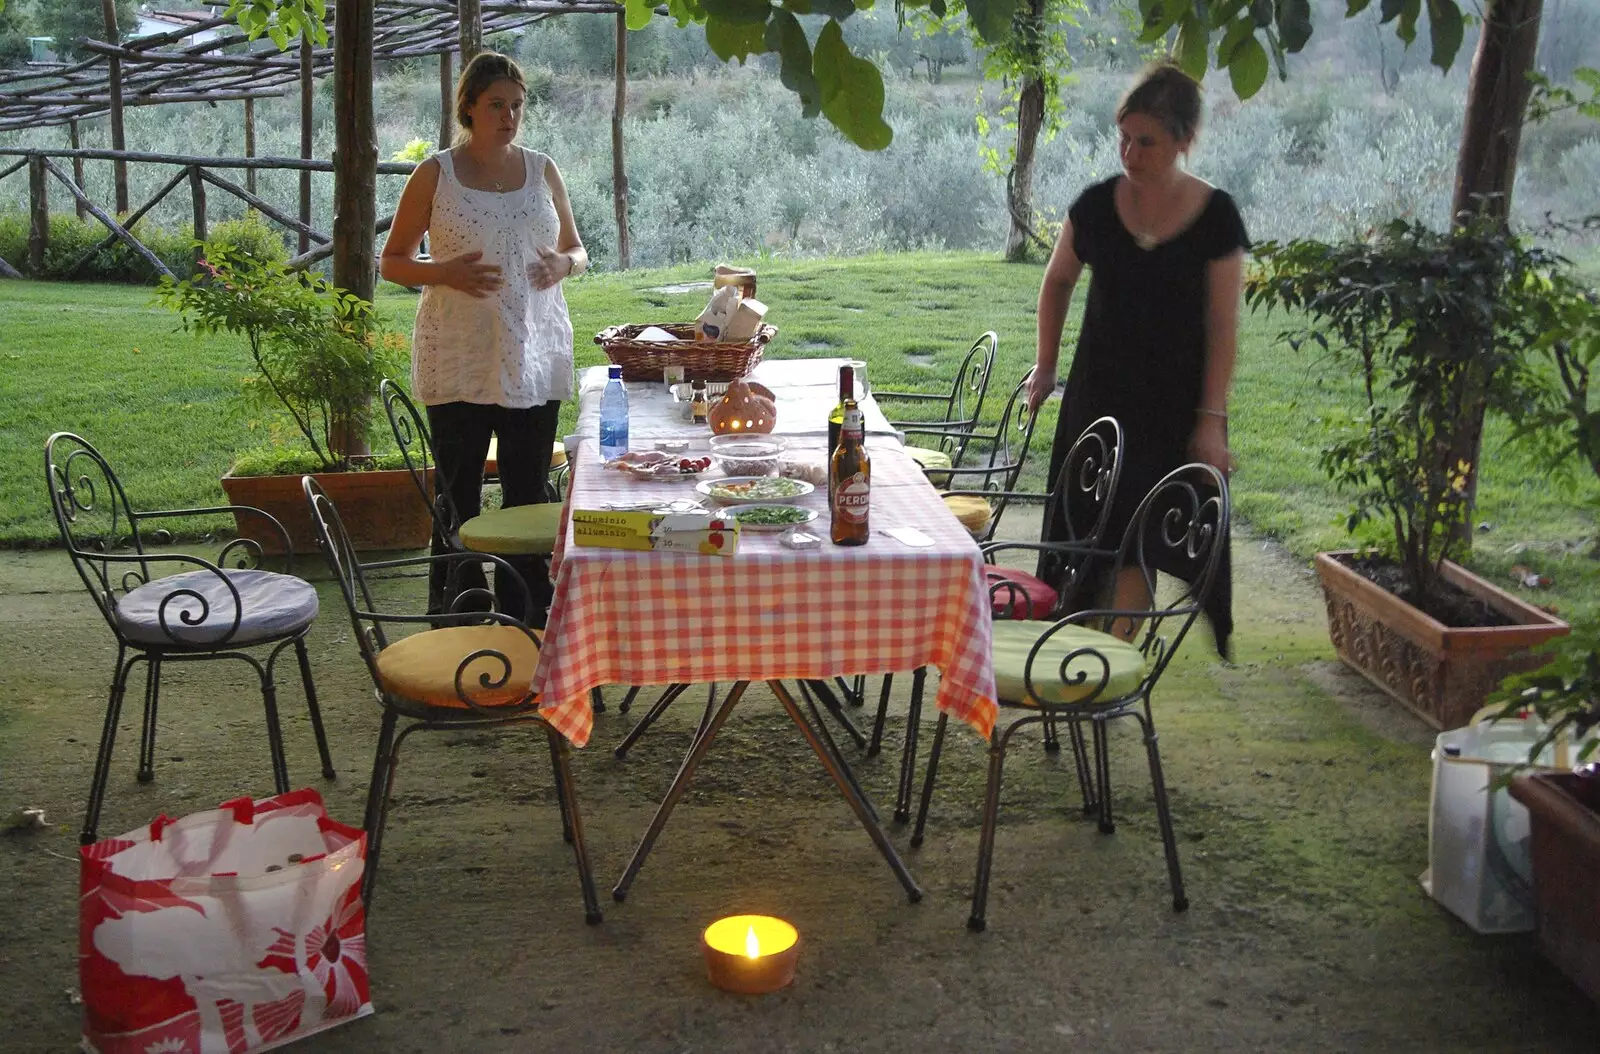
<point x="1441" y="673"/>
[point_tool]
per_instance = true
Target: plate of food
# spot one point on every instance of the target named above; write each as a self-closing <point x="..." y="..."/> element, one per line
<point x="753" y="490"/>
<point x="764" y="518"/>
<point x="653" y="464"/>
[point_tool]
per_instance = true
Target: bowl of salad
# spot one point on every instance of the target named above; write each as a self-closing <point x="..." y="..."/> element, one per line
<point x="747" y="455"/>
<point x="754" y="490"/>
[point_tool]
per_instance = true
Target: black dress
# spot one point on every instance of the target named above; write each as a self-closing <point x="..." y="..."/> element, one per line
<point x="1141" y="359"/>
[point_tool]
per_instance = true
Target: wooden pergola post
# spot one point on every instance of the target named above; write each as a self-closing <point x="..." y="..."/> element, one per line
<point x="197" y="194"/>
<point x="114" y="72"/>
<point x="77" y="168"/>
<point x="447" y="101"/>
<point x="355" y="151"/>
<point x="619" y="173"/>
<point x="469" y="13"/>
<point x="308" y="85"/>
<point x="250" y="143"/>
<point x="39" y="216"/>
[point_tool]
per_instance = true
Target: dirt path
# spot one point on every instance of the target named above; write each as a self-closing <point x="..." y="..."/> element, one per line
<point x="1300" y="798"/>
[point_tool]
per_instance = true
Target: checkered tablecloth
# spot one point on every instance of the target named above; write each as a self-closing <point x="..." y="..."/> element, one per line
<point x="769" y="612"/>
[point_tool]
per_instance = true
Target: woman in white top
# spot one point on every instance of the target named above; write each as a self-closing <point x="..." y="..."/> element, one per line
<point x="492" y="352"/>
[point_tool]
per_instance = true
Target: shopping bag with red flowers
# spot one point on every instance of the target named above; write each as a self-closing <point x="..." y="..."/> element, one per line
<point x="238" y="929"/>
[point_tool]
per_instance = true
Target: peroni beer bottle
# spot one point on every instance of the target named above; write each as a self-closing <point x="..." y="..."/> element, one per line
<point x="851" y="474"/>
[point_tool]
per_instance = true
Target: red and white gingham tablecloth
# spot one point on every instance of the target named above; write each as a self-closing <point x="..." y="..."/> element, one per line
<point x="769" y="612"/>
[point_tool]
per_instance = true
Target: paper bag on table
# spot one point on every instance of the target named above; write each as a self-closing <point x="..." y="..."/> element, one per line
<point x="718" y="313"/>
<point x="747" y="316"/>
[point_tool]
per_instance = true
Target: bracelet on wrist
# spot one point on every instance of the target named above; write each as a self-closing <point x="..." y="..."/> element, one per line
<point x="1223" y="414"/>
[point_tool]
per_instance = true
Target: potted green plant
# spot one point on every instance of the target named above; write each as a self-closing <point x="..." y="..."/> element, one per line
<point x="319" y="355"/>
<point x="1438" y="327"/>
<point x="1565" y="806"/>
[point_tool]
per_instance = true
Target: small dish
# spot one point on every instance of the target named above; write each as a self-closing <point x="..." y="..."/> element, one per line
<point x="672" y="446"/>
<point x="753" y="490"/>
<point x="765" y="519"/>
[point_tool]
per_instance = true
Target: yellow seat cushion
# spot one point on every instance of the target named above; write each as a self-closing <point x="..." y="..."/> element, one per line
<point x="930" y="460"/>
<point x="974" y="513"/>
<point x="422" y="668"/>
<point x="1014" y="639"/>
<point x="524" y="530"/>
<point x="491" y="464"/>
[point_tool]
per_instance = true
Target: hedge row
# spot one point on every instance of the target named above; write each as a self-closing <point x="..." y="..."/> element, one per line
<point x="70" y="238"/>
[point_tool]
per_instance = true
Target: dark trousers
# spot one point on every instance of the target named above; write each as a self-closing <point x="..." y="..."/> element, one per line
<point x="461" y="434"/>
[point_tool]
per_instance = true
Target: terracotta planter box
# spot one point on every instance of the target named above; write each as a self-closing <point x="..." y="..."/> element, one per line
<point x="1441" y="672"/>
<point x="1566" y="872"/>
<point x="380" y="510"/>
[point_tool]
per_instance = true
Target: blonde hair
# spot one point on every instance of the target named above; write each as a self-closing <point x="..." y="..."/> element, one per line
<point x="484" y="70"/>
<point x="1166" y="94"/>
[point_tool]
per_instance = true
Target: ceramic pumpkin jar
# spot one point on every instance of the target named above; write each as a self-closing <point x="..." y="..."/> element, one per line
<point x="747" y="407"/>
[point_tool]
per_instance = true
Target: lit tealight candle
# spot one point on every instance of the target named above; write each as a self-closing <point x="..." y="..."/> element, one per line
<point x="750" y="954"/>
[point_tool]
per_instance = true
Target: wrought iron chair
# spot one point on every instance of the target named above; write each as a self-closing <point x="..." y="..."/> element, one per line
<point x="960" y="413"/>
<point x="474" y="671"/>
<point x="1079" y="669"/>
<point x="174" y="607"/>
<point x="1086" y="485"/>
<point x="521" y="531"/>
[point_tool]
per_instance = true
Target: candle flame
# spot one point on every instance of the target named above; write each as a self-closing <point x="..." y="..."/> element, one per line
<point x="752" y="946"/>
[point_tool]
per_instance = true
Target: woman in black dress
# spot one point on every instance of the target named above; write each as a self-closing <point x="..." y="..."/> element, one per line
<point x="1165" y="251"/>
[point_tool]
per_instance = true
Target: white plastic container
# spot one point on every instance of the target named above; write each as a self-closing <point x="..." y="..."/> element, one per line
<point x="1478" y="864"/>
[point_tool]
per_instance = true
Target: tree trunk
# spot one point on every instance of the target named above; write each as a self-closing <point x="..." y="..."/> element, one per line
<point x="1019" y="181"/>
<point x="1486" y="169"/>
<point x="39" y="216"/>
<point x="114" y="75"/>
<point x="355" y="169"/>
<point x="197" y="198"/>
<point x="1497" y="102"/>
<point x="470" y="15"/>
<point x="619" y="173"/>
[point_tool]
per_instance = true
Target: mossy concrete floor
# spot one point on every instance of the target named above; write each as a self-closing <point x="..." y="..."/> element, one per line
<point x="1300" y="798"/>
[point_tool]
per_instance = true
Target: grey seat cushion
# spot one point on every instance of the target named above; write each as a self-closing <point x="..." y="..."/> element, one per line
<point x="274" y="606"/>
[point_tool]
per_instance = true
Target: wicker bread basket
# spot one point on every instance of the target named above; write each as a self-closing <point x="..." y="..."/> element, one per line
<point x="644" y="360"/>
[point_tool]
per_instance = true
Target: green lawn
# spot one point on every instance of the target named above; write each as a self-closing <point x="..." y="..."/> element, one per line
<point x="102" y="361"/>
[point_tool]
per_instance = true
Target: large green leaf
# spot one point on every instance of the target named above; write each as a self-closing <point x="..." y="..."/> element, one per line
<point x="1355" y="7"/>
<point x="640" y="12"/>
<point x="1294" y="23"/>
<point x="838" y="10"/>
<point x="851" y="90"/>
<point x="738" y="12"/>
<point x="991" y="18"/>
<point x="788" y="40"/>
<point x="1407" y="29"/>
<point x="1445" y="26"/>
<point x="1192" y="46"/>
<point x="1389" y="10"/>
<point x="735" y="40"/>
<point x="1248" y="67"/>
<point x="1242" y="29"/>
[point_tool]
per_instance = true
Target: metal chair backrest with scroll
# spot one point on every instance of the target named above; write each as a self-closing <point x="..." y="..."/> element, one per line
<point x="1099" y="665"/>
<point x="164" y="607"/>
<point x="994" y="463"/>
<point x="473" y="669"/>
<point x="957" y="412"/>
<point x="1081" y="502"/>
<point x="522" y="531"/>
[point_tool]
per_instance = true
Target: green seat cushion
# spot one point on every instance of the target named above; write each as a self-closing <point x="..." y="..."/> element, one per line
<point x="1014" y="639"/>
<point x="524" y="530"/>
<point x="930" y="459"/>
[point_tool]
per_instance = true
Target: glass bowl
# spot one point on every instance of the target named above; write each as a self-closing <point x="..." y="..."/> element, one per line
<point x="747" y="454"/>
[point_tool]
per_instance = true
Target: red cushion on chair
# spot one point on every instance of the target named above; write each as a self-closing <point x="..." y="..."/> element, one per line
<point x="1029" y="597"/>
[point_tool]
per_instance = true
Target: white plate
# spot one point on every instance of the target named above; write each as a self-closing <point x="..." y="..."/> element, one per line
<point x="773" y="528"/>
<point x="802" y="488"/>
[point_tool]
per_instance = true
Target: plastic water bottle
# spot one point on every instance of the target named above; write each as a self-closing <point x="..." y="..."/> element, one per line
<point x="614" y="417"/>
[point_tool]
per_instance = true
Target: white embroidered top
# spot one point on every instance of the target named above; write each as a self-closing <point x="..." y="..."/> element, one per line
<point x="514" y="347"/>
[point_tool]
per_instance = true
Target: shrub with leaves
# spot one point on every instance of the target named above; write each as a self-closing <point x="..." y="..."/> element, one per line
<point x="1564" y="693"/>
<point x="1438" y="326"/>
<point x="319" y="351"/>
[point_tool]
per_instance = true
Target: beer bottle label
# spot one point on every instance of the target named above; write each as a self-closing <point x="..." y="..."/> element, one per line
<point x="852" y="498"/>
